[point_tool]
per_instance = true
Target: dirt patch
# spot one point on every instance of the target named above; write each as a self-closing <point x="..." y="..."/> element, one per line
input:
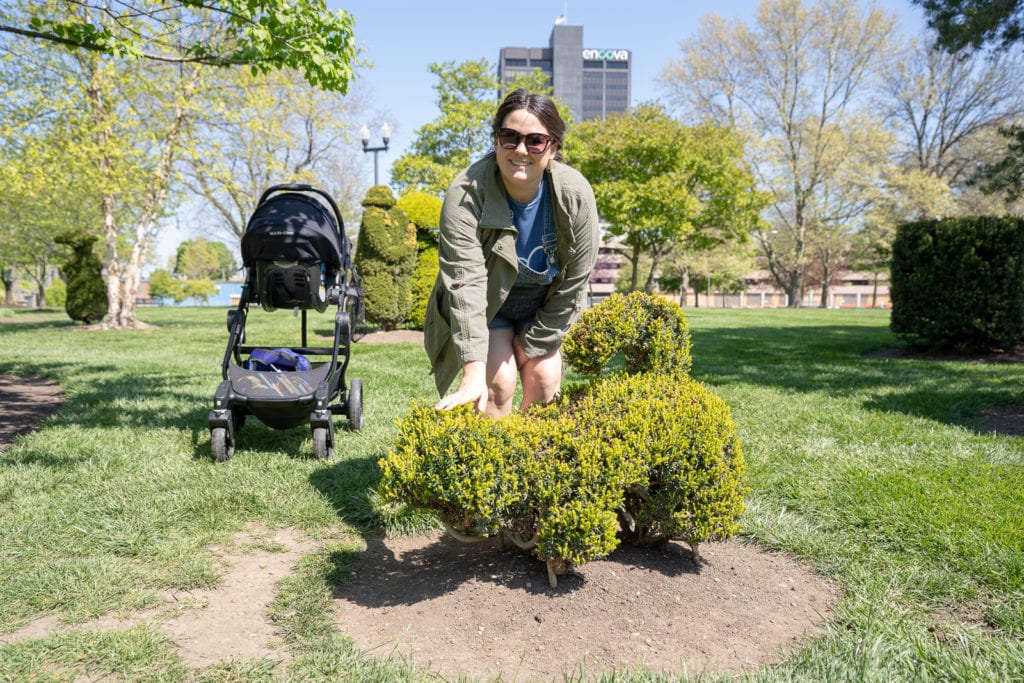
<point x="474" y="609"/>
<point x="212" y="625"/>
<point x="1007" y="420"/>
<point x="392" y="337"/>
<point x="26" y="402"/>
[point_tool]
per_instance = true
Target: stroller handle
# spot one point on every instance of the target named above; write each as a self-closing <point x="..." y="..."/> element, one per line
<point x="305" y="187"/>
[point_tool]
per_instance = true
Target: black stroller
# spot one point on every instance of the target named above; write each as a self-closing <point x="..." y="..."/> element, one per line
<point x="296" y="256"/>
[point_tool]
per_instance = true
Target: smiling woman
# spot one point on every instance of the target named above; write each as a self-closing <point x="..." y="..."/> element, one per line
<point x="518" y="241"/>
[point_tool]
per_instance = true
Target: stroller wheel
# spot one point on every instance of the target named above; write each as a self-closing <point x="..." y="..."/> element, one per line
<point x="222" y="451"/>
<point x="355" y="404"/>
<point x="321" y="449"/>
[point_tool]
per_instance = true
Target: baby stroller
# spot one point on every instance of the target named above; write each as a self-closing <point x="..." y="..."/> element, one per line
<point x="296" y="256"/>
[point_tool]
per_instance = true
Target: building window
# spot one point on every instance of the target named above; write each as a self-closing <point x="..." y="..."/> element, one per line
<point x="515" y="62"/>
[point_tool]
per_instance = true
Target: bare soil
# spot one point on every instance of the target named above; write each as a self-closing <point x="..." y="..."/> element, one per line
<point x="477" y="610"/>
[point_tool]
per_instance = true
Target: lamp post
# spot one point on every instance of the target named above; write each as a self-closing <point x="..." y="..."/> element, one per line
<point x="385" y="134"/>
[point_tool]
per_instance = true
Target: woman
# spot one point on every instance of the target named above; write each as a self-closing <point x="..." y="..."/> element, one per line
<point x="519" y="239"/>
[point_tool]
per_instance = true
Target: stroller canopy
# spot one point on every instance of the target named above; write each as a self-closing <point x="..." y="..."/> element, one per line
<point x="293" y="227"/>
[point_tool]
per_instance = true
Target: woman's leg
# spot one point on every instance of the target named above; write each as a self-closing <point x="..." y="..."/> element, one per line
<point x="541" y="376"/>
<point x="501" y="372"/>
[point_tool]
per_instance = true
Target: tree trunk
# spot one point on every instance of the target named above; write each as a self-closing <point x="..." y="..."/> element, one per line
<point x="123" y="283"/>
<point x="9" y="287"/>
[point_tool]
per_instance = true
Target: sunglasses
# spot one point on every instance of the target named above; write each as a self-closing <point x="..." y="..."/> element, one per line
<point x="536" y="143"/>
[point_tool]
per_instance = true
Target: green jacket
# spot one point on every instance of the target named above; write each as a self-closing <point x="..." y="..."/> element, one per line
<point x="478" y="266"/>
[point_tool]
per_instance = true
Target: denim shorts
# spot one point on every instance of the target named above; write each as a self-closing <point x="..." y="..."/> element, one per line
<point x="520" y="308"/>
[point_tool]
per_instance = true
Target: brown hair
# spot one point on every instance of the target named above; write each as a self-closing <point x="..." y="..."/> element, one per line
<point x="541" y="106"/>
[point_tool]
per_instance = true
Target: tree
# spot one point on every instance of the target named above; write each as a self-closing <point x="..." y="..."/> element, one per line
<point x="462" y="132"/>
<point x="797" y="85"/>
<point x="267" y="130"/>
<point x="963" y="27"/>
<point x="264" y="35"/>
<point x="136" y="120"/>
<point x="199" y="259"/>
<point x="163" y="285"/>
<point x="972" y="24"/>
<point x="946" y="109"/>
<point x="662" y="185"/>
<point x="200" y="290"/>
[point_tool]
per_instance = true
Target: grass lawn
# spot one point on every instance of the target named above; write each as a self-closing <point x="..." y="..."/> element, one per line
<point x="874" y="471"/>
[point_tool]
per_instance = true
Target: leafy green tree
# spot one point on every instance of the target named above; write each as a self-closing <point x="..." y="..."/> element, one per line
<point x="971" y="24"/>
<point x="386" y="258"/>
<point x="86" y="298"/>
<point x="264" y="35"/>
<point x="201" y="259"/>
<point x="462" y="132"/>
<point x="662" y="185"/>
<point x="200" y="290"/>
<point x="57" y="294"/>
<point x="130" y="117"/>
<point x="163" y="285"/>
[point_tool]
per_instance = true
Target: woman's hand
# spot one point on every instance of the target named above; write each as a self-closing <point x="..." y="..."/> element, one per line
<point x="472" y="389"/>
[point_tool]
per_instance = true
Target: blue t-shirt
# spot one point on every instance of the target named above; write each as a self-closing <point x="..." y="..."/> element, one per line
<point x="535" y="243"/>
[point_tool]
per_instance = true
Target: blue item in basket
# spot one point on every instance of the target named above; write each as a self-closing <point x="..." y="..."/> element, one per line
<point x="276" y="360"/>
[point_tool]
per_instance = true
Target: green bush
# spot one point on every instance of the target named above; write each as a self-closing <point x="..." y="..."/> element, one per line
<point x="423" y="279"/>
<point x="57" y="294"/>
<point x="424" y="210"/>
<point x="653" y="454"/>
<point x="86" y="291"/>
<point x="385" y="258"/>
<point x="649" y="332"/>
<point x="959" y="283"/>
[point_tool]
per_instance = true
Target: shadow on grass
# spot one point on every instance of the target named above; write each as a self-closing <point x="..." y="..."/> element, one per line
<point x="838" y="360"/>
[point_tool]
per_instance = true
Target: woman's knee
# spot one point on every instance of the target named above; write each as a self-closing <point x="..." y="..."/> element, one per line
<point x="541" y="377"/>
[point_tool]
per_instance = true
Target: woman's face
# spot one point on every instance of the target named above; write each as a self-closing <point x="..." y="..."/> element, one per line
<point x="521" y="169"/>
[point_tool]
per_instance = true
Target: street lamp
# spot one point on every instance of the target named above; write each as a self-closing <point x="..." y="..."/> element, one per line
<point x="385" y="134"/>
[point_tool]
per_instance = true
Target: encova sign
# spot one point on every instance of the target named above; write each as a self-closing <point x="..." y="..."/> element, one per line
<point x="607" y="55"/>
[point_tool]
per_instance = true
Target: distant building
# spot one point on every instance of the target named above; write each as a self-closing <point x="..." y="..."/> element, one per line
<point x="592" y="82"/>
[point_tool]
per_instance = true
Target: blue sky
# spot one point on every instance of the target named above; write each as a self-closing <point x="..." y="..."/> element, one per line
<point x="402" y="38"/>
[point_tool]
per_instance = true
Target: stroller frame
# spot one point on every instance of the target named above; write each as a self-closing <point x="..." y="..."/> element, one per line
<point x="283" y="400"/>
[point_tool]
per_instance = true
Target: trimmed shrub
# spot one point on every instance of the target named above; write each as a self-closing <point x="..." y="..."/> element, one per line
<point x="385" y="258"/>
<point x="653" y="454"/>
<point x="959" y="283"/>
<point x="682" y="439"/>
<point x="86" y="299"/>
<point x="424" y="210"/>
<point x="649" y="333"/>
